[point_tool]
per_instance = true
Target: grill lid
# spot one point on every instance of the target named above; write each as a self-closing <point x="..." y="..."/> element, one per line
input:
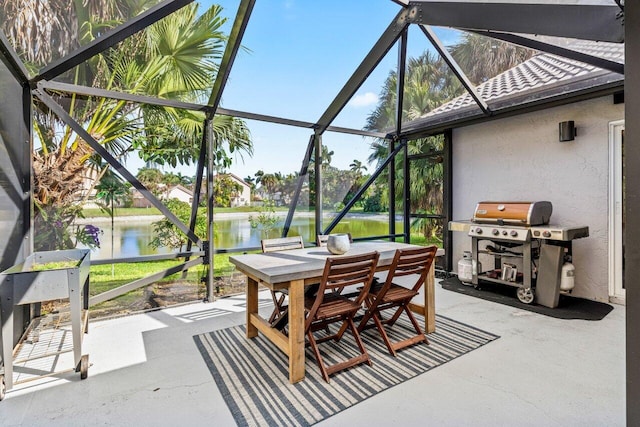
<point x="514" y="213"/>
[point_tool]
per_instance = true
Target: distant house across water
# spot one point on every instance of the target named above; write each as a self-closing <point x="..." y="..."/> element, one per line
<point x="243" y="198"/>
<point x="178" y="192"/>
<point x="172" y="192"/>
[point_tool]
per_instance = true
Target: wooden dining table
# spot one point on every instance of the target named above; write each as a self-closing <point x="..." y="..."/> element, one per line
<point x="294" y="270"/>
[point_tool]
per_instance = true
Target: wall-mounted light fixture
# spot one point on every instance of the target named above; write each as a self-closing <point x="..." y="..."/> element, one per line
<point x="568" y="131"/>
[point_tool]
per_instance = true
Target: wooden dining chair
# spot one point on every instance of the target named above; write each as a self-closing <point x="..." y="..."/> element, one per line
<point x="321" y="242"/>
<point x="392" y="296"/>
<point x="328" y="307"/>
<point x="279" y="297"/>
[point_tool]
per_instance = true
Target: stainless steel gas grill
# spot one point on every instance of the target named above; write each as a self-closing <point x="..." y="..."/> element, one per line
<point x="526" y="251"/>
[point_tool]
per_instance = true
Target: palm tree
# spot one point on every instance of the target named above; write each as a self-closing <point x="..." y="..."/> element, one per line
<point x="325" y="159"/>
<point x="288" y="186"/>
<point x="23" y="23"/>
<point x="383" y="116"/>
<point x="111" y="190"/>
<point x="184" y="180"/>
<point x="175" y="58"/>
<point x="357" y="167"/>
<point x="185" y="48"/>
<point x="259" y="176"/>
<point x="32" y="25"/>
<point x="57" y="182"/>
<point x="327" y="156"/>
<point x="270" y="182"/>
<point x="428" y="84"/>
<point x="251" y="181"/>
<point x="482" y="57"/>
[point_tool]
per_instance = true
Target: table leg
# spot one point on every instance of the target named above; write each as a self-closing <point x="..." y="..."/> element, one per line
<point x="296" y="331"/>
<point x="252" y="306"/>
<point x="429" y="301"/>
<point x="75" y="311"/>
<point x="428" y="307"/>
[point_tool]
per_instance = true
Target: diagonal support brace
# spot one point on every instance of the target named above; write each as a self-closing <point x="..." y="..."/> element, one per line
<point x="98" y="148"/>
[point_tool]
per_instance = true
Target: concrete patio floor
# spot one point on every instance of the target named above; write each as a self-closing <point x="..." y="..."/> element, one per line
<point x="146" y="370"/>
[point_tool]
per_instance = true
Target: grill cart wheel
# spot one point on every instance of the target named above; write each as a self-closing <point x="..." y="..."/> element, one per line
<point x="526" y="295"/>
<point x="84" y="366"/>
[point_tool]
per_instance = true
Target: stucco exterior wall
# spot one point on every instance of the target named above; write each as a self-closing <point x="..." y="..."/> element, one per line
<point x="244" y="198"/>
<point x="181" y="194"/>
<point x="520" y="158"/>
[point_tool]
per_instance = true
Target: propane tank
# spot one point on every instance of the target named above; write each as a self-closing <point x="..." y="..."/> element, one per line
<point x="567" y="277"/>
<point x="465" y="268"/>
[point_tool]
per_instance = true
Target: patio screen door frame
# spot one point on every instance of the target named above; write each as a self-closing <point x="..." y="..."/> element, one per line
<point x="444" y="157"/>
<point x="616" y="210"/>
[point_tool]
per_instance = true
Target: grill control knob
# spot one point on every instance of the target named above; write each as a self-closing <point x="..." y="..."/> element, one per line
<point x="495" y="232"/>
<point x="514" y="233"/>
<point x="479" y="230"/>
<point x="546" y="234"/>
<point x="504" y="232"/>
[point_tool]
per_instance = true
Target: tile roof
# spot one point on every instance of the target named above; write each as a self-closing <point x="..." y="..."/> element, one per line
<point x="537" y="74"/>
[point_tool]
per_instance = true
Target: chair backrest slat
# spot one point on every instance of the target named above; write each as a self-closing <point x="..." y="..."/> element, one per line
<point x="282" y="244"/>
<point x="321" y="240"/>
<point x="345" y="271"/>
<point x="411" y="262"/>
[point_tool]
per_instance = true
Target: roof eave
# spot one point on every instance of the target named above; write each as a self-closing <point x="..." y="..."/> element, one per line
<point x="510" y="106"/>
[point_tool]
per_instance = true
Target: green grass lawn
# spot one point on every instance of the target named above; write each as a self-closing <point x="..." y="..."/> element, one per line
<point x="103" y="278"/>
<point x="97" y="213"/>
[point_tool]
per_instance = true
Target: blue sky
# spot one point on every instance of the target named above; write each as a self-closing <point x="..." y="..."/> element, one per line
<point x="300" y="53"/>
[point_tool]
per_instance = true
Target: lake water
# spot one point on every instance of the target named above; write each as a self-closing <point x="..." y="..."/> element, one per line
<point x="131" y="237"/>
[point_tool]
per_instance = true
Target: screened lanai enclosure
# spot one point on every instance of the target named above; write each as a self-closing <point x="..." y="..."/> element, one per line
<point x="114" y="80"/>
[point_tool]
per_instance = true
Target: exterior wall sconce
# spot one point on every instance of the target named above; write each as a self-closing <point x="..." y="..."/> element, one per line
<point x="568" y="131"/>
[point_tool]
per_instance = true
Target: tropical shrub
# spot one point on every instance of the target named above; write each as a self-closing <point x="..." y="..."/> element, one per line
<point x="373" y="203"/>
<point x="266" y="220"/>
<point x="168" y="235"/>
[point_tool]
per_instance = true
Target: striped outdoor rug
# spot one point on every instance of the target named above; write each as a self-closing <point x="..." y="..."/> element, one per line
<point x="252" y="375"/>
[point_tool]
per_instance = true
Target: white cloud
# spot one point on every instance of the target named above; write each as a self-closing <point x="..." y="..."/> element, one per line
<point x="364" y="100"/>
